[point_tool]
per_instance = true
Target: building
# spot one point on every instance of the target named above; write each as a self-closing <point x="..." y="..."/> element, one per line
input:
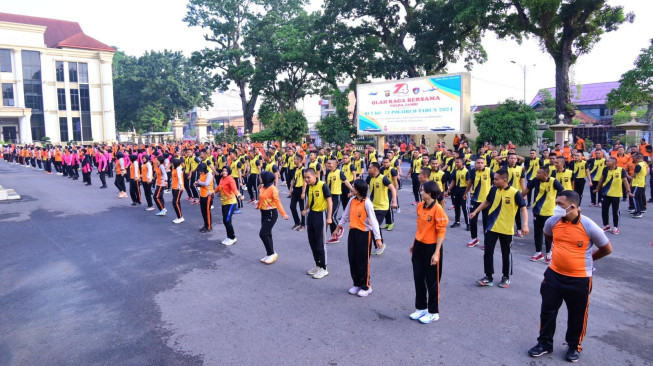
<point x="590" y="101"/>
<point x="56" y="82"/>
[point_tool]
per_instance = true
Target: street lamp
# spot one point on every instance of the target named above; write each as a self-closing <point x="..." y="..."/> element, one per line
<point x="561" y="118"/>
<point x="524" y="69"/>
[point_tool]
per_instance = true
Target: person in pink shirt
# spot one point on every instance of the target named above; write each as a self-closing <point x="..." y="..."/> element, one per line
<point x="102" y="167"/>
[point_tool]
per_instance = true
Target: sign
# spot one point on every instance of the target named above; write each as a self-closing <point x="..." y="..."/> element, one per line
<point x="408" y="106"/>
<point x="240" y="131"/>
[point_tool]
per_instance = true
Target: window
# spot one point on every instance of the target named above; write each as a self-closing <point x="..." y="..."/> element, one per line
<point x="77" y="129"/>
<point x="72" y="72"/>
<point x="8" y="95"/>
<point x="5" y="60"/>
<point x="63" y="129"/>
<point x="74" y="99"/>
<point x="87" y="135"/>
<point x="84" y="98"/>
<point x="83" y="73"/>
<point x="59" y="67"/>
<point x="33" y="92"/>
<point x="61" y="98"/>
<point x="38" y="126"/>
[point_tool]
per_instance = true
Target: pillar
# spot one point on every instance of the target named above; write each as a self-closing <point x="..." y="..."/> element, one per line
<point x="25" y="129"/>
<point x="561" y="132"/>
<point x="108" y="111"/>
<point x="178" y="129"/>
<point x="380" y="144"/>
<point x="200" y="127"/>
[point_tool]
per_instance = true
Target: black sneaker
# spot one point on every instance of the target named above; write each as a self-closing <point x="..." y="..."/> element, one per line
<point x="539" y="350"/>
<point x="505" y="282"/>
<point x="134" y="204"/>
<point x="455" y="224"/>
<point x="572" y="354"/>
<point x="485" y="281"/>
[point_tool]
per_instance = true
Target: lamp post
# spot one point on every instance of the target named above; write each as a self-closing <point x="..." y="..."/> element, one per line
<point x="561" y="118"/>
<point x="524" y="70"/>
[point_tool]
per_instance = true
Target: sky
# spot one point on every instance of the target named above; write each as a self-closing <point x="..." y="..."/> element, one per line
<point x="136" y="26"/>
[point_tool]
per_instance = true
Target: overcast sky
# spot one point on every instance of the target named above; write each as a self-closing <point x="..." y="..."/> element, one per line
<point x="139" y="25"/>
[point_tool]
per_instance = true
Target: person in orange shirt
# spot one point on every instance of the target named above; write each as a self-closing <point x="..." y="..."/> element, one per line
<point x="566" y="152"/>
<point x="270" y="206"/>
<point x="205" y="182"/>
<point x="427" y="254"/>
<point x="362" y="225"/>
<point x="580" y="144"/>
<point x="456" y="142"/>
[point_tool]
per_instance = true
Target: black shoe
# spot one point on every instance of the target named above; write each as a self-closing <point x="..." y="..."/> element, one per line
<point x="134" y="204"/>
<point x="455" y="224"/>
<point x="467" y="228"/>
<point x="205" y="230"/>
<point x="104" y="186"/>
<point x="87" y="184"/>
<point x="539" y="350"/>
<point x="572" y="354"/>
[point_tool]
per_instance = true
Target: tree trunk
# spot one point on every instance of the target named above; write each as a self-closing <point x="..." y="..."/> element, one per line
<point x="563" y="97"/>
<point x="648" y="115"/>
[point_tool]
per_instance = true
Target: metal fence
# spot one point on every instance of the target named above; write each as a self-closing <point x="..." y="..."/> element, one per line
<point x="598" y="134"/>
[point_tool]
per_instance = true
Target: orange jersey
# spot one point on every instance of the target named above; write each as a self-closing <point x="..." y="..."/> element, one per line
<point x="269" y="199"/>
<point x="431" y="223"/>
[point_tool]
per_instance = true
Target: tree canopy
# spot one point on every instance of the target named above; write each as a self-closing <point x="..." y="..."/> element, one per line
<point x="337" y="128"/>
<point x="510" y="121"/>
<point x="636" y="86"/>
<point x="151" y="89"/>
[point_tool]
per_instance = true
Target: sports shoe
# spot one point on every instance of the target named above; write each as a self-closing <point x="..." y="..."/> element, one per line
<point x="429" y="318"/>
<point x="321" y="272"/>
<point x="505" y="282"/>
<point x="151" y="208"/>
<point x="250" y="201"/>
<point x="205" y="230"/>
<point x="294" y="227"/>
<point x="415" y="203"/>
<point x="237" y="211"/>
<point x="264" y="259"/>
<point x="418" y="314"/>
<point x="572" y="354"/>
<point x="162" y="212"/>
<point x="179" y="220"/>
<point x="472" y="243"/>
<point x="467" y="227"/>
<point x="312" y="271"/>
<point x="271" y="259"/>
<point x="398" y="210"/>
<point x="615" y="231"/>
<point x="380" y="251"/>
<point x="354" y="290"/>
<point x="301" y="228"/>
<point x="485" y="281"/>
<point x="384" y="226"/>
<point x="455" y="224"/>
<point x="520" y="234"/>
<point x="606" y="228"/>
<point x="225" y="240"/>
<point x="637" y="215"/>
<point x="333" y="240"/>
<point x="195" y="202"/>
<point x="188" y="199"/>
<point x="537" y="256"/>
<point x="364" y="293"/>
<point x="255" y="202"/>
<point x="539" y="350"/>
<point x="391" y="227"/>
<point x="591" y="205"/>
<point x="451" y="207"/>
<point x="483" y="247"/>
<point x="547" y="259"/>
<point x="229" y="242"/>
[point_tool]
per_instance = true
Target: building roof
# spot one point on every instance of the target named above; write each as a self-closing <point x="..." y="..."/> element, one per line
<point x="584" y="118"/>
<point x="59" y="33"/>
<point x="590" y="94"/>
<point x="480" y="108"/>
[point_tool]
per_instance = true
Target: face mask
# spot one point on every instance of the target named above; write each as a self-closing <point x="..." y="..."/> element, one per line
<point x="559" y="211"/>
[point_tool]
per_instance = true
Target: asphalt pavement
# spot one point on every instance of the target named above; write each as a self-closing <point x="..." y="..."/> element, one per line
<point x="86" y="279"/>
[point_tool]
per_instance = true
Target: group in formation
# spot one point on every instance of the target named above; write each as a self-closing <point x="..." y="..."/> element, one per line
<point x="495" y="183"/>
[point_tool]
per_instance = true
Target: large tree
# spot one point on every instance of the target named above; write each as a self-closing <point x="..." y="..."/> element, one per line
<point x="636" y="86"/>
<point x="510" y="121"/>
<point x="150" y="90"/>
<point x="566" y="30"/>
<point x="337" y="128"/>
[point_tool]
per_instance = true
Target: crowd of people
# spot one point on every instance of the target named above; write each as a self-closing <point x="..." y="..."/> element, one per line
<point x="493" y="182"/>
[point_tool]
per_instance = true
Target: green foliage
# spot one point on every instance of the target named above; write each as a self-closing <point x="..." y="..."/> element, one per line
<point x="546" y="112"/>
<point x="290" y="126"/>
<point x="627" y="140"/>
<point x="549" y="135"/>
<point x="266" y="112"/>
<point x="229" y="135"/>
<point x="623" y="116"/>
<point x="510" y="121"/>
<point x="566" y="30"/>
<point x="45" y="139"/>
<point x="636" y="86"/>
<point x="337" y="128"/>
<point x="151" y="89"/>
<point x="262" y="136"/>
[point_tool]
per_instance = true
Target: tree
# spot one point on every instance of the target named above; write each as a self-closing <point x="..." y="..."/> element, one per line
<point x="262" y="136"/>
<point x="546" y="112"/>
<point x="510" y="121"/>
<point x="636" y="86"/>
<point x="566" y="30"/>
<point x="337" y="128"/>
<point x="150" y="90"/>
<point x="290" y="126"/>
<point x="229" y="135"/>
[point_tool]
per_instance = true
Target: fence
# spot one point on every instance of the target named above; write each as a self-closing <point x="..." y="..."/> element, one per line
<point x="601" y="134"/>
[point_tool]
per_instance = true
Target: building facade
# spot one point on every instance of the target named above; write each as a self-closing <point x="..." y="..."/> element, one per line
<point x="56" y="82"/>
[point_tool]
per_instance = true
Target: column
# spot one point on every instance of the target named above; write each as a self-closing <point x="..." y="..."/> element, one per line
<point x="177" y="129"/>
<point x="18" y="74"/>
<point x="200" y="127"/>
<point x="25" y="129"/>
<point x="108" y="114"/>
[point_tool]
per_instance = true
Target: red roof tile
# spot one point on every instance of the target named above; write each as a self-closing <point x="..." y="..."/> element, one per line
<point x="59" y="33"/>
<point x="584" y="118"/>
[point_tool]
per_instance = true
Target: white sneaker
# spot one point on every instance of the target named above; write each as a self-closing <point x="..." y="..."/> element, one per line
<point x="312" y="271"/>
<point x="225" y="241"/>
<point x="179" y="220"/>
<point x="150" y="208"/>
<point x="373" y="252"/>
<point x="398" y="210"/>
<point x="364" y="293"/>
<point x="231" y="241"/>
<point x="354" y="290"/>
<point x="429" y="318"/>
<point x="380" y="251"/>
<point x="418" y="314"/>
<point x="161" y="213"/>
<point x="271" y="259"/>
<point x="321" y="272"/>
<point x="264" y="259"/>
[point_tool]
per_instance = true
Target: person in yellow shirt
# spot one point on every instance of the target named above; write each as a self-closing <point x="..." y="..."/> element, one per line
<point x="562" y="174"/>
<point x="479" y="184"/>
<point x="254" y="167"/>
<point x="612" y="190"/>
<point x="335" y="178"/>
<point x="319" y="202"/>
<point x="458" y="191"/>
<point x="205" y="182"/>
<point x="379" y="187"/>
<point x="639" y="186"/>
<point x="504" y="201"/>
<point x="594" y="171"/>
<point x="578" y="170"/>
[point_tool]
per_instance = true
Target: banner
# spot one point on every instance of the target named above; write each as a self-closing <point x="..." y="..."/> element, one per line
<point x="418" y="105"/>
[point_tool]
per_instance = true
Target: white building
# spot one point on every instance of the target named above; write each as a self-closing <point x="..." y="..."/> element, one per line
<point x="56" y="82"/>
